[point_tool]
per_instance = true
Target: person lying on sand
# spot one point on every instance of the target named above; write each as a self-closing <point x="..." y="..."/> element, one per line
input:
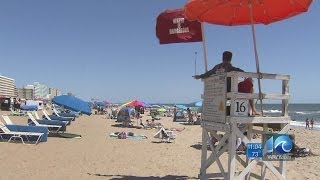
<point x="302" y="151"/>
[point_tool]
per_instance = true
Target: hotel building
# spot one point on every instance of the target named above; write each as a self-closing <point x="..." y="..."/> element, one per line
<point x="7" y="87"/>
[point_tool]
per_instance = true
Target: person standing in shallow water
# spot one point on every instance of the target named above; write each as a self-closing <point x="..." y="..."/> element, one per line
<point x="311" y="123"/>
<point x="307" y="124"/>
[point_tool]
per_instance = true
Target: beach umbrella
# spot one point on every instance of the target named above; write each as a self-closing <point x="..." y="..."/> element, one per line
<point x="161" y="110"/>
<point x="107" y="103"/>
<point x="244" y="12"/>
<point x="155" y="106"/>
<point x="90" y="103"/>
<point x="180" y="106"/>
<point x="127" y="103"/>
<point x="73" y="103"/>
<point x="100" y="103"/>
<point x="146" y="105"/>
<point x="195" y="104"/>
<point x="135" y="103"/>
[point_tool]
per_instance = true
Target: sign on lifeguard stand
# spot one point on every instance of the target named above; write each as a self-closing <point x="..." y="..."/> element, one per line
<point x="214" y="101"/>
<point x="241" y="107"/>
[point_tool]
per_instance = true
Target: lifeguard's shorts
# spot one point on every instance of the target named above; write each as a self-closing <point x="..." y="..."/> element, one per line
<point x="245" y="86"/>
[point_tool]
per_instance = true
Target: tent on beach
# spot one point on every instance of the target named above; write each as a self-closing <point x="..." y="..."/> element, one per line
<point x="180" y="117"/>
<point x="125" y="114"/>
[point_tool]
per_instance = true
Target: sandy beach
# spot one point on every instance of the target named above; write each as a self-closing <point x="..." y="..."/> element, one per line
<point x="98" y="156"/>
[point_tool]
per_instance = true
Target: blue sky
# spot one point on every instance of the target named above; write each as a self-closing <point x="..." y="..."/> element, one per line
<point x="109" y="50"/>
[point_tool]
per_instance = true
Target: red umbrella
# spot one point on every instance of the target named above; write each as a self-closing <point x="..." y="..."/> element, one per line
<point x="244" y="12"/>
<point x="237" y="12"/>
<point x="241" y="12"/>
<point x="135" y="103"/>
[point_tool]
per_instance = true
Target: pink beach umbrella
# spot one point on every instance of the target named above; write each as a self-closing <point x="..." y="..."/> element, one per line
<point x="135" y="103"/>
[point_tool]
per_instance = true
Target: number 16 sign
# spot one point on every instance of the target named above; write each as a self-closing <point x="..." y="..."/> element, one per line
<point x="241" y="107"/>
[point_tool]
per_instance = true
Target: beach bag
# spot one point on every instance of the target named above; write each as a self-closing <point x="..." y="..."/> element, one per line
<point x="130" y="134"/>
<point x="122" y="135"/>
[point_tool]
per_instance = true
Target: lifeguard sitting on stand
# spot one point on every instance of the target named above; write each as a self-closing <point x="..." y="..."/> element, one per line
<point x="245" y="86"/>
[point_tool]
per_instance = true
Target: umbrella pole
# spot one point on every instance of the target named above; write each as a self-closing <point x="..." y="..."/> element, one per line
<point x="195" y="63"/>
<point x="204" y="48"/>
<point x="256" y="56"/>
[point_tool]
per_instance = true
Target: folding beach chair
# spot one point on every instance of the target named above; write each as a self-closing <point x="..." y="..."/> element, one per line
<point x="67" y="121"/>
<point x="55" y="111"/>
<point x="68" y="116"/>
<point x="38" y="118"/>
<point x="15" y="134"/>
<point x="36" y="115"/>
<point x="6" y="119"/>
<point x="15" y="113"/>
<point x="165" y="135"/>
<point x="168" y="135"/>
<point x="45" y="113"/>
<point x="56" y="127"/>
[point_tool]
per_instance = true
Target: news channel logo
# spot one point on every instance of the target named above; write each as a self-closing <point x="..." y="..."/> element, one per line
<point x="277" y="147"/>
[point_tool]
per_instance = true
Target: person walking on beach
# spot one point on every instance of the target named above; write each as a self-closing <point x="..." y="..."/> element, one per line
<point x="311" y="123"/>
<point x="190" y="118"/>
<point x="174" y="113"/>
<point x="307" y="124"/>
<point x="226" y="66"/>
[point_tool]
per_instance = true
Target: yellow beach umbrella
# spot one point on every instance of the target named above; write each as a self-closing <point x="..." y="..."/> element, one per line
<point x="161" y="110"/>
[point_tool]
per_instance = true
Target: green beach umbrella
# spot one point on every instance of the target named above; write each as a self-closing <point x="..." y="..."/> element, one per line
<point x="161" y="110"/>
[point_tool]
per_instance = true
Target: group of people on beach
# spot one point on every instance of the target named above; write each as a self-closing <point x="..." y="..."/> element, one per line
<point x="309" y="124"/>
<point x="149" y="124"/>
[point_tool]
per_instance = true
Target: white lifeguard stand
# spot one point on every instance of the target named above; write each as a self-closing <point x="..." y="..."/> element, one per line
<point x="231" y="126"/>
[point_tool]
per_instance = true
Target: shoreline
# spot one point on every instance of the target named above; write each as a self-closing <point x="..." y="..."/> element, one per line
<point x="315" y="128"/>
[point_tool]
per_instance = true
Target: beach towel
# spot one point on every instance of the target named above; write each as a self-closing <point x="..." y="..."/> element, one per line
<point x="177" y="129"/>
<point x="128" y="135"/>
<point x="187" y="123"/>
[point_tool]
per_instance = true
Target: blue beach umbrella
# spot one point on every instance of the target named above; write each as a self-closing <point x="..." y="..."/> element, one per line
<point x="72" y="103"/>
<point x="195" y="104"/>
<point x="146" y="105"/>
<point x="100" y="103"/>
<point x="180" y="106"/>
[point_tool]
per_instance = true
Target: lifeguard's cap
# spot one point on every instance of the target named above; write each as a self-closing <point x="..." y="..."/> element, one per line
<point x="227" y="56"/>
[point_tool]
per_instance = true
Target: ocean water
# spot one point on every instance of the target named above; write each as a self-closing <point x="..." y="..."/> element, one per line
<point x="298" y="113"/>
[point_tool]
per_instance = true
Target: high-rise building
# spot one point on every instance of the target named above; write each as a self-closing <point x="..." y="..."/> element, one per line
<point x="40" y="90"/>
<point x="26" y="92"/>
<point x="7" y="87"/>
<point x="20" y="93"/>
<point x="54" y="92"/>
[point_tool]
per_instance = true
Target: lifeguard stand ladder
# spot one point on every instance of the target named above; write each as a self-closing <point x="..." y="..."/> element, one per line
<point x="232" y="127"/>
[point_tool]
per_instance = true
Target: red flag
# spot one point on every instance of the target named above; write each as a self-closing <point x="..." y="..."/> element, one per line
<point x="173" y="27"/>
